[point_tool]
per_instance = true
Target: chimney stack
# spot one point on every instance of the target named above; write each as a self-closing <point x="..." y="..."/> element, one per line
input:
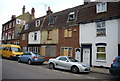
<point x="86" y="2"/>
<point x="49" y="11"/>
<point x="13" y="17"/>
<point x="33" y="12"/>
<point x="23" y="9"/>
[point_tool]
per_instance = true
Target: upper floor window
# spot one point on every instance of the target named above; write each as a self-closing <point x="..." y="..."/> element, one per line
<point x="10" y="35"/>
<point x="52" y="20"/>
<point x="72" y="16"/>
<point x="101" y="7"/>
<point x="68" y="32"/>
<point x="23" y="37"/>
<point x="25" y="26"/>
<point x="37" y="23"/>
<point x="49" y="35"/>
<point x="10" y="25"/>
<point x="100" y="28"/>
<point x="35" y="36"/>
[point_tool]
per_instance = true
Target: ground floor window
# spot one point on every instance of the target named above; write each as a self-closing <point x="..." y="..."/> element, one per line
<point x="34" y="49"/>
<point x="66" y="51"/>
<point x="101" y="53"/>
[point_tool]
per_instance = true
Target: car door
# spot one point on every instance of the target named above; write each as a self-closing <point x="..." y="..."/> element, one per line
<point x="27" y="56"/>
<point x="64" y="63"/>
<point x="24" y="57"/>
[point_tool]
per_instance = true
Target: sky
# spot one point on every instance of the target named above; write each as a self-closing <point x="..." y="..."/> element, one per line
<point x="14" y="7"/>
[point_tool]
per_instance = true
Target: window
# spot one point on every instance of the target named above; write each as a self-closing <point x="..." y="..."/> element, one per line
<point x="68" y="32"/>
<point x="25" y="26"/>
<point x="37" y="23"/>
<point x="49" y="35"/>
<point x="101" y="29"/>
<point x="23" y="37"/>
<point x="13" y="34"/>
<point x="35" y="36"/>
<point x="66" y="51"/>
<point x="101" y="53"/>
<point x="52" y="20"/>
<point x="10" y="25"/>
<point x="13" y="24"/>
<point x="9" y="35"/>
<point x="101" y="7"/>
<point x="72" y="16"/>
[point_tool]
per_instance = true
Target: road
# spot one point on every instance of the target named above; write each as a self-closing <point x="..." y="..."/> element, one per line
<point x="14" y="70"/>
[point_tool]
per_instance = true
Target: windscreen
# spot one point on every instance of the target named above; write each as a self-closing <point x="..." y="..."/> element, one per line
<point x="16" y="49"/>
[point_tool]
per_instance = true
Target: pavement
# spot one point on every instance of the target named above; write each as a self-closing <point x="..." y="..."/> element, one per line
<point x="100" y="70"/>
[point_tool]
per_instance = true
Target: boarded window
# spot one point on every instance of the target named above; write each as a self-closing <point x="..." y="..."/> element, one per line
<point x="49" y="34"/>
<point x="68" y="32"/>
<point x="66" y="51"/>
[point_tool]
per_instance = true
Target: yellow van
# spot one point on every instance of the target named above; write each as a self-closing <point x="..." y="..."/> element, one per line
<point x="11" y="51"/>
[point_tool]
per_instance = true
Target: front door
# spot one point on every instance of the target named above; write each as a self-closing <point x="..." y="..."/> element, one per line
<point x="86" y="55"/>
<point x="78" y="54"/>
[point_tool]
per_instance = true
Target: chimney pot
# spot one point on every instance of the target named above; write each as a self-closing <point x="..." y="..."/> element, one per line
<point x="23" y="9"/>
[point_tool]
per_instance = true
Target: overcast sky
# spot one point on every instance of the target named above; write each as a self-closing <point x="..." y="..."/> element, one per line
<point x="14" y="7"/>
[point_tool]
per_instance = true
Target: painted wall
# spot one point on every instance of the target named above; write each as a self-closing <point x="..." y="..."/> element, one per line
<point x="88" y="35"/>
<point x="54" y="40"/>
<point x="31" y="38"/>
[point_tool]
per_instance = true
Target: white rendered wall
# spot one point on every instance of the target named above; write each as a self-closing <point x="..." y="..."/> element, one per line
<point x="31" y="38"/>
<point x="88" y="36"/>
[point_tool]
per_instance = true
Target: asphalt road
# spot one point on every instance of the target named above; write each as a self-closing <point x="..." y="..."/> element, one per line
<point x="14" y="70"/>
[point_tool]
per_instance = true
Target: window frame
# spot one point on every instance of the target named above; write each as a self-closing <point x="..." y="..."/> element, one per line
<point x="101" y="52"/>
<point x="26" y="27"/>
<point x="37" y="23"/>
<point x="52" y="20"/>
<point x="49" y="36"/>
<point x="101" y="7"/>
<point x="101" y="28"/>
<point x="68" y="32"/>
<point x="35" y="36"/>
<point x="62" y="50"/>
<point x="23" y="36"/>
<point x="74" y="14"/>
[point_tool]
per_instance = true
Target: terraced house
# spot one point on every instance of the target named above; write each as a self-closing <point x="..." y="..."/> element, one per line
<point x="99" y="33"/>
<point x="89" y="32"/>
<point x="11" y="29"/>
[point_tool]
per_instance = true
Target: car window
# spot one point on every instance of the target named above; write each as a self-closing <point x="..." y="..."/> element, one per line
<point x="118" y="60"/>
<point x="5" y="48"/>
<point x="27" y="53"/>
<point x="63" y="58"/>
<point x="73" y="59"/>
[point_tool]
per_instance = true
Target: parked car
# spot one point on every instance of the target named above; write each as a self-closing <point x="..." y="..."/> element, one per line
<point x="31" y="57"/>
<point x="68" y="63"/>
<point x="115" y="67"/>
<point x="10" y="51"/>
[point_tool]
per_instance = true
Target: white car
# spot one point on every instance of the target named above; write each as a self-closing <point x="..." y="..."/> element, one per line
<point x="68" y="63"/>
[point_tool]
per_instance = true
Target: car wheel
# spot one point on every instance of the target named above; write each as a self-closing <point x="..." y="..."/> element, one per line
<point x="74" y="69"/>
<point x="10" y="58"/>
<point x="29" y="62"/>
<point x="41" y="63"/>
<point x="51" y="66"/>
<point x="19" y="60"/>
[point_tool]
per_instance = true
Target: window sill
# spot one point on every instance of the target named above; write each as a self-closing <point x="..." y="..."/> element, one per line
<point x="104" y="61"/>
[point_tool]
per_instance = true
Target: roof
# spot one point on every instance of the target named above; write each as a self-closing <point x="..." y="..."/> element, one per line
<point x="85" y="13"/>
